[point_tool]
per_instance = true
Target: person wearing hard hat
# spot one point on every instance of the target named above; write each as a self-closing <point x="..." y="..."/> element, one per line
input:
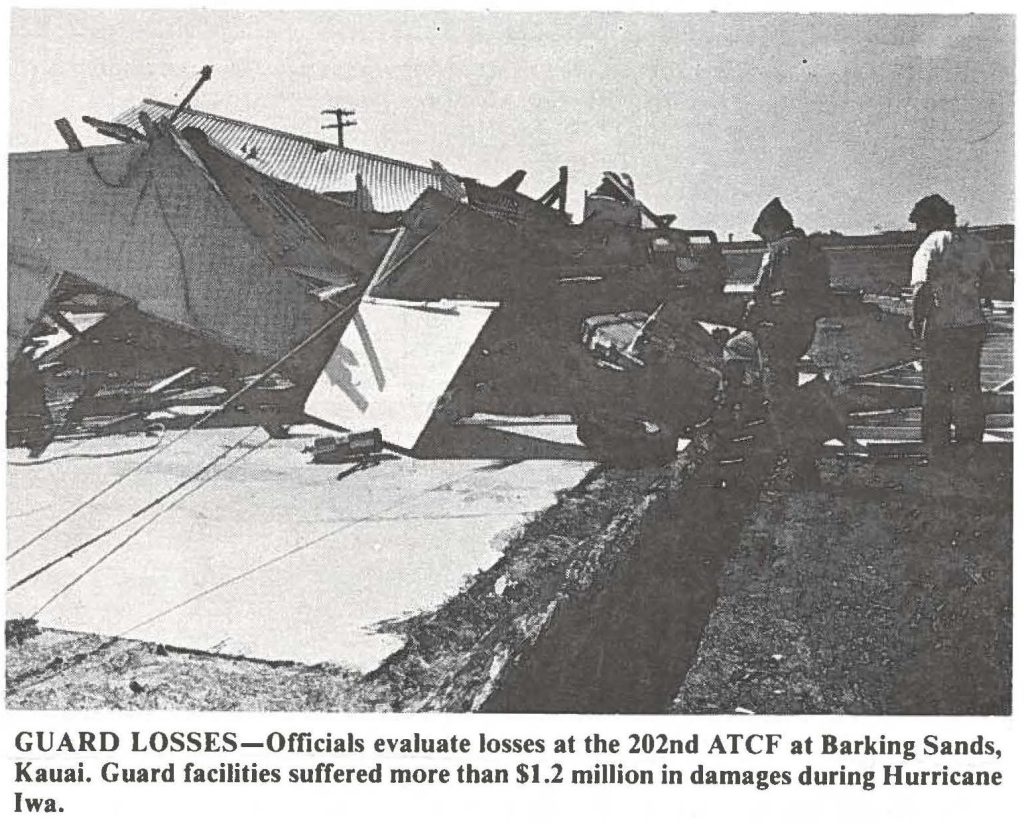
<point x="946" y="278"/>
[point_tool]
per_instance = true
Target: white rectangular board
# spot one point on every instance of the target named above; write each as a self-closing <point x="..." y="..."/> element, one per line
<point x="393" y="363"/>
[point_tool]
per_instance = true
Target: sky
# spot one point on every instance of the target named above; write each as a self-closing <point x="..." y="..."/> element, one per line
<point x="848" y="118"/>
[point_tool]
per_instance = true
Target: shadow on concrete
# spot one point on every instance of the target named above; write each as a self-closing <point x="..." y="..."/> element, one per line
<point x="445" y="441"/>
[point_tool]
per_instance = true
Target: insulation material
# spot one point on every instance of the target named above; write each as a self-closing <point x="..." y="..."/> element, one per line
<point x="393" y="364"/>
<point x="148" y="222"/>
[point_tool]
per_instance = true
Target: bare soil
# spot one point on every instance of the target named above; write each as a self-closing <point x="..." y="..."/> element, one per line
<point x="887" y="591"/>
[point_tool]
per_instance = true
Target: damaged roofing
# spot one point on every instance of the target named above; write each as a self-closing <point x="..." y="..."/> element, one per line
<point x="302" y="161"/>
<point x="198" y="245"/>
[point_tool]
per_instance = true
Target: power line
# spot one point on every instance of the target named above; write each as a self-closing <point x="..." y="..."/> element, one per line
<point x="62" y="666"/>
<point x="203" y="419"/>
<point x="91" y="456"/>
<point x="52" y="672"/>
<point x="128" y="519"/>
<point x="286" y="554"/>
<point x="131" y="536"/>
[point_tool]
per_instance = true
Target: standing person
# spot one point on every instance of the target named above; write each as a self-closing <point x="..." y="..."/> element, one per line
<point x="789" y="293"/>
<point x="789" y="297"/>
<point x="946" y="277"/>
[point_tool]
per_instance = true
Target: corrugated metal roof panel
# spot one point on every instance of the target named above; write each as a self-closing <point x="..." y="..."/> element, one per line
<point x="302" y="161"/>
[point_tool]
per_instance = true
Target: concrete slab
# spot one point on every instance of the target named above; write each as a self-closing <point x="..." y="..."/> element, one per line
<point x="276" y="558"/>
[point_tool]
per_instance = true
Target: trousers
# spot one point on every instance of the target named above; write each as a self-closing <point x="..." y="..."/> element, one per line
<point x="952" y="385"/>
<point x="782" y="344"/>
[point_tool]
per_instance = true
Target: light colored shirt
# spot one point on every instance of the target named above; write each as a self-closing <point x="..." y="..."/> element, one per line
<point x="953" y="264"/>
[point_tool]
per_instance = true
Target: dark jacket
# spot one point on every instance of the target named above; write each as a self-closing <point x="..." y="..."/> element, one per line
<point x="793" y="281"/>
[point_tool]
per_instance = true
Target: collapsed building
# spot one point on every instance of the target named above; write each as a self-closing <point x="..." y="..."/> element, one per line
<point x="238" y="242"/>
<point x="171" y="238"/>
<point x="378" y="293"/>
<point x="512" y="281"/>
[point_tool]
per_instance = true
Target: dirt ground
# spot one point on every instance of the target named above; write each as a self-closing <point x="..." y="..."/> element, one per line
<point x="68" y="671"/>
<point x="887" y="590"/>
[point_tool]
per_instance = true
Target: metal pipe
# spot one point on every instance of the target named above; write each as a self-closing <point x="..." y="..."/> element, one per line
<point x="204" y="75"/>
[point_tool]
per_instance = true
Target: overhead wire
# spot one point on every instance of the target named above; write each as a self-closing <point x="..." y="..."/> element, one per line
<point x="63" y="666"/>
<point x="304" y="545"/>
<point x="262" y="376"/>
<point x="129" y="518"/>
<point x="193" y="426"/>
<point x="186" y="288"/>
<point x="135" y="533"/>
<point x="82" y="456"/>
<point x="394" y="267"/>
<point x="134" y="161"/>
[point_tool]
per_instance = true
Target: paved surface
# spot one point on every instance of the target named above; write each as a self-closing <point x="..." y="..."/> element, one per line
<point x="280" y="559"/>
<point x="396" y="539"/>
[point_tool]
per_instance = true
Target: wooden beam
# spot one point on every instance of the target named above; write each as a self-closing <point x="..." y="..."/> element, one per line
<point x="126" y="134"/>
<point x="68" y="133"/>
<point x="64" y="324"/>
<point x="513" y="181"/>
<point x="204" y="75"/>
<point x="559" y="192"/>
<point x="148" y="126"/>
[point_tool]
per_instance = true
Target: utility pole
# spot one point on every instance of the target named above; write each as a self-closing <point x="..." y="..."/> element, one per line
<point x="340" y="115"/>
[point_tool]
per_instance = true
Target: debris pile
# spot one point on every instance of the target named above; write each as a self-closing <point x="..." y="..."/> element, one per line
<point x="207" y="272"/>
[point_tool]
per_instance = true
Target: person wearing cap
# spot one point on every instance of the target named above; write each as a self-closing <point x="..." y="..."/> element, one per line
<point x="946" y="279"/>
<point x="789" y="296"/>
